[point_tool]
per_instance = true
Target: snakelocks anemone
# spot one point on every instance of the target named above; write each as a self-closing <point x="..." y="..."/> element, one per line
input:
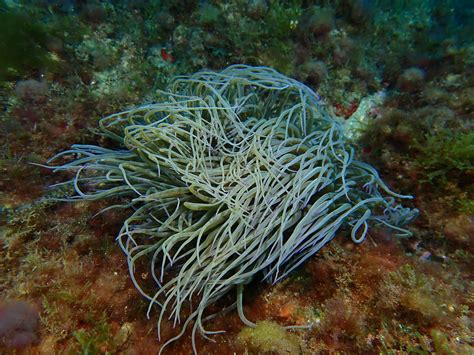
<point x="230" y="176"/>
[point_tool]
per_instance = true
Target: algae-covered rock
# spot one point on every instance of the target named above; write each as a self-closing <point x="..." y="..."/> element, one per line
<point x="268" y="336"/>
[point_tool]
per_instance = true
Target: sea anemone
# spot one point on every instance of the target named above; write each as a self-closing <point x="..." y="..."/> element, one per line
<point x="231" y="176"/>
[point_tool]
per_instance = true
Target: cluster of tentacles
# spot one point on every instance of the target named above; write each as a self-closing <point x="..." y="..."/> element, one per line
<point x="231" y="175"/>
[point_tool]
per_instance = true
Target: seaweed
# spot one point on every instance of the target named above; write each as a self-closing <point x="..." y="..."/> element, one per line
<point x="22" y="43"/>
<point x="446" y="152"/>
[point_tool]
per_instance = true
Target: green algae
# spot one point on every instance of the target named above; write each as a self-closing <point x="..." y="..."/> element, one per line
<point x="267" y="337"/>
<point x="446" y="152"/>
<point x="22" y="43"/>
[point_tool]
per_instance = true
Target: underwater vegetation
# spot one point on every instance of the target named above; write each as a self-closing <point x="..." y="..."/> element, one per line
<point x="447" y="152"/>
<point x="22" y="43"/>
<point x="400" y="70"/>
<point x="231" y="176"/>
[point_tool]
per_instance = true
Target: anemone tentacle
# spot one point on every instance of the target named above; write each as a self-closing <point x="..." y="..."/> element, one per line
<point x="231" y="175"/>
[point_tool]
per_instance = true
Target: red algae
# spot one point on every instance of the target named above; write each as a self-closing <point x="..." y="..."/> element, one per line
<point x="343" y="325"/>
